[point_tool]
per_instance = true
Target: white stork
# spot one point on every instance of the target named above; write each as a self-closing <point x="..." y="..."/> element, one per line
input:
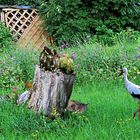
<point x="133" y="89"/>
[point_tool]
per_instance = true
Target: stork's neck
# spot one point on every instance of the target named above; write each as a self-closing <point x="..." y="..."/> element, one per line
<point x="125" y="77"/>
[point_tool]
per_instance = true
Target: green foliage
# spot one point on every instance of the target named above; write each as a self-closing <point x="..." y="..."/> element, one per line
<point x="126" y="36"/>
<point x="17" y="66"/>
<point x="65" y="19"/>
<point x="66" y="63"/>
<point x="5" y="37"/>
<point x="94" y="61"/>
<point x="91" y="60"/>
<point x="65" y="24"/>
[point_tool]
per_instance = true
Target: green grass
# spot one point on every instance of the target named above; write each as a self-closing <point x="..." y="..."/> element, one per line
<point x="108" y="117"/>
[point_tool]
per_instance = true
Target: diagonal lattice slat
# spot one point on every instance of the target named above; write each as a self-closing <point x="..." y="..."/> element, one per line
<point x="26" y="26"/>
<point x="18" y="20"/>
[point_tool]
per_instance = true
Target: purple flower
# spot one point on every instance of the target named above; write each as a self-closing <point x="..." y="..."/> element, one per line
<point x="64" y="45"/>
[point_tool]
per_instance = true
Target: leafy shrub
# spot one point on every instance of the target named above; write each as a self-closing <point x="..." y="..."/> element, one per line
<point x="11" y="74"/>
<point x="5" y="36"/>
<point x="126" y="36"/>
<point x="17" y="66"/>
<point x="68" y="18"/>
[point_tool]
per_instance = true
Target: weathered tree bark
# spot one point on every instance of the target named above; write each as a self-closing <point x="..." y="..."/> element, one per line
<point x="50" y="91"/>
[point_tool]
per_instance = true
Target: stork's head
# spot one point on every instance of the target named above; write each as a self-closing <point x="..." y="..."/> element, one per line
<point x="125" y="70"/>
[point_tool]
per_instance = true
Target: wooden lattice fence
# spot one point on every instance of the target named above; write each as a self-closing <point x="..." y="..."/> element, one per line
<point x="26" y="26"/>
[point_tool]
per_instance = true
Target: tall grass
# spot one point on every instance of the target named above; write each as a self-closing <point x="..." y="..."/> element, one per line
<point x="95" y="61"/>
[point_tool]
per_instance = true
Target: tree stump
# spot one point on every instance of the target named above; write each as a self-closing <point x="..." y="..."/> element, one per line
<point x="50" y="92"/>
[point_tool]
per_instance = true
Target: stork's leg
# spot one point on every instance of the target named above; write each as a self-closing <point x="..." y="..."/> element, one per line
<point x="139" y="114"/>
<point x="137" y="111"/>
<point x="134" y="115"/>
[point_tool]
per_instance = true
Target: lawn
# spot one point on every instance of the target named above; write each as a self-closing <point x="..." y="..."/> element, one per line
<point x="108" y="117"/>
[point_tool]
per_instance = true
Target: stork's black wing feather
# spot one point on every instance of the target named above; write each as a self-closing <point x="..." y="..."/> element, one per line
<point x="135" y="95"/>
